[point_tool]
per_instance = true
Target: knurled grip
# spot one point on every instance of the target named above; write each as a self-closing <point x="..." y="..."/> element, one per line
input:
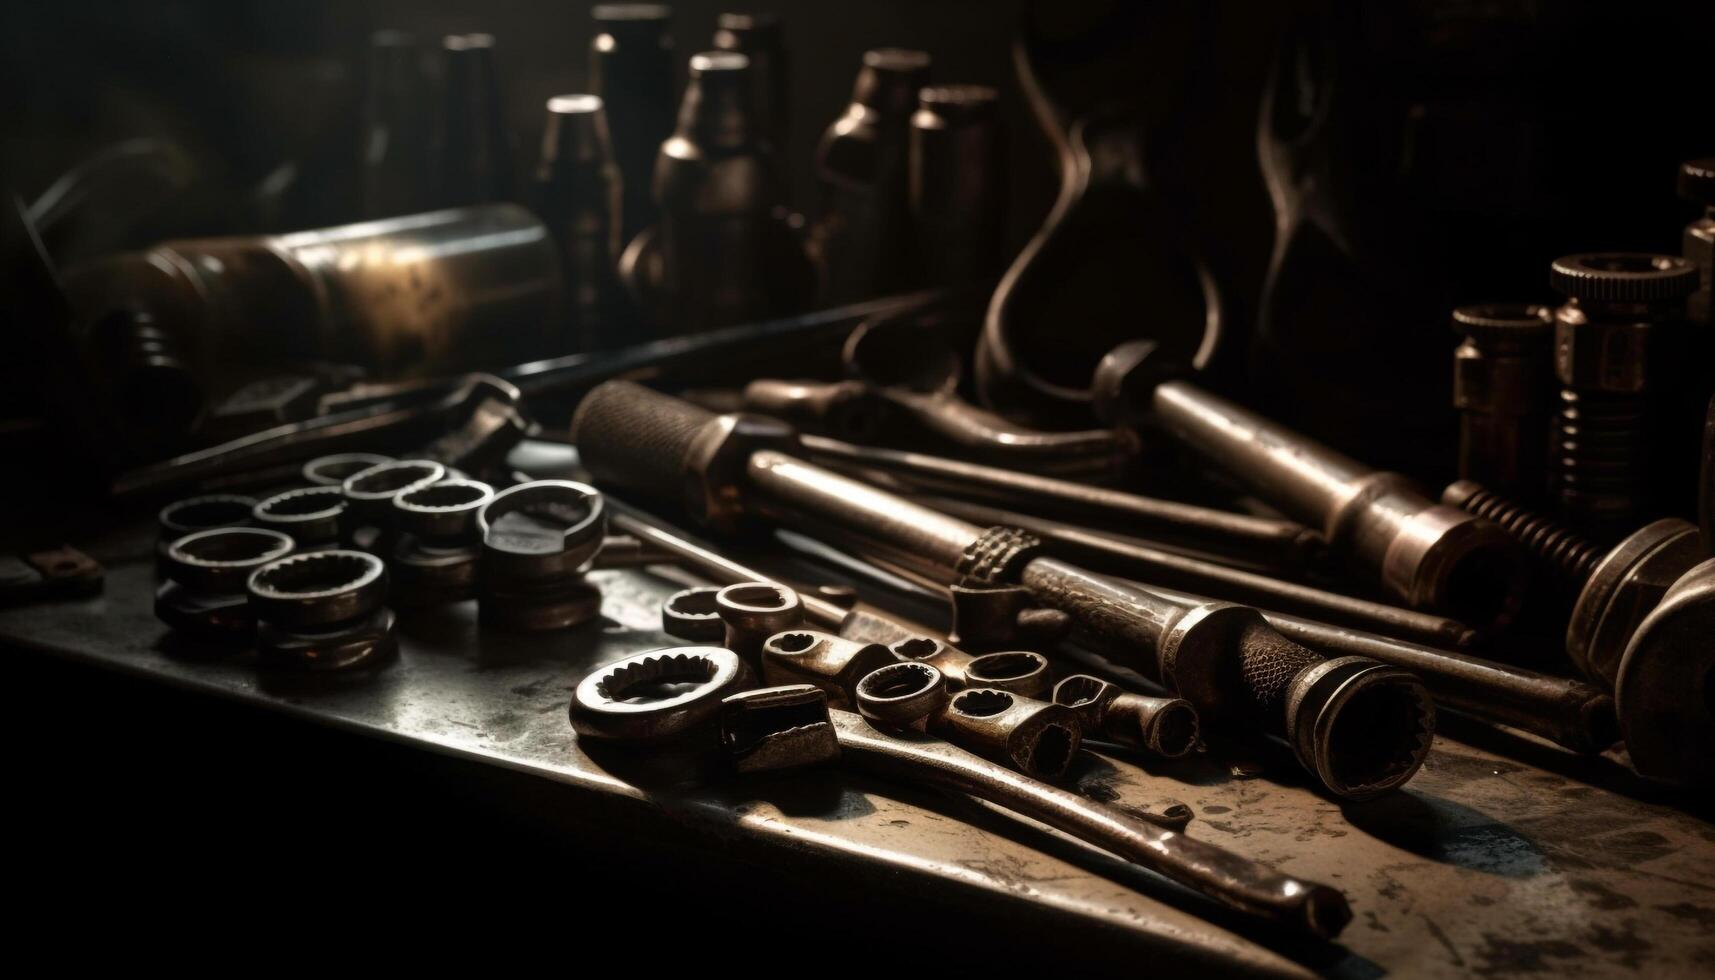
<point x="631" y="437"/>
<point x="1267" y="664"/>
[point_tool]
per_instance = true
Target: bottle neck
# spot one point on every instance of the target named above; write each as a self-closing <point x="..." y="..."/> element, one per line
<point x="716" y="111"/>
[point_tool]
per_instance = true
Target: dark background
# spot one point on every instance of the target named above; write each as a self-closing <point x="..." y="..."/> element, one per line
<point x="171" y="809"/>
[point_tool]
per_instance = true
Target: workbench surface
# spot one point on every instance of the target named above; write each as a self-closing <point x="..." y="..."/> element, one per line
<point x="1485" y="864"/>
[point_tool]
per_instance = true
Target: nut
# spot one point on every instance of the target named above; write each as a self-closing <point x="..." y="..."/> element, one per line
<point x="634" y="700"/>
<point x="778" y="728"/>
<point x="317" y="589"/>
<point x="444" y="511"/>
<point x="832" y="663"/>
<point x="332" y="471"/>
<point x="221" y="559"/>
<point x="365" y="642"/>
<point x="310" y="515"/>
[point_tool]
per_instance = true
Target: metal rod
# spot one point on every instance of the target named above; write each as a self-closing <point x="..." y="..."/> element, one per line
<point x="1264" y="541"/>
<point x="1135" y="559"/>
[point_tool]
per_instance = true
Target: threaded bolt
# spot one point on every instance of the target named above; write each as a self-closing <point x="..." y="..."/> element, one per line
<point x="1570" y="556"/>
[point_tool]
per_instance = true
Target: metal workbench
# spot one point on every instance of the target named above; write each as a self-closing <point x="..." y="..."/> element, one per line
<point x="1527" y="862"/>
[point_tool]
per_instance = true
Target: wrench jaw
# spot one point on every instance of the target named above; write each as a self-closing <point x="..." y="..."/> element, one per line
<point x="829" y="662"/>
<point x="1037" y="738"/>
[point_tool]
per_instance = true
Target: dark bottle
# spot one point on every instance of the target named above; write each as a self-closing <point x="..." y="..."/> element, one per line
<point x="578" y="191"/>
<point x="632" y="69"/>
<point x="397" y="129"/>
<point x="182" y="323"/>
<point x="958" y="183"/>
<point x="863" y="238"/>
<point x="723" y="257"/>
<point x="476" y="150"/>
<point x="1503" y="381"/>
<point x="759" y="38"/>
<point x="1697" y="183"/>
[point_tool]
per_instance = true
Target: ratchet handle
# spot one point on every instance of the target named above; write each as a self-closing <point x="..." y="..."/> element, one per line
<point x="633" y="437"/>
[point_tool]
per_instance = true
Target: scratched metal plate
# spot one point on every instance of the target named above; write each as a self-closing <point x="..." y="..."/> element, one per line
<point x="1485" y="864"/>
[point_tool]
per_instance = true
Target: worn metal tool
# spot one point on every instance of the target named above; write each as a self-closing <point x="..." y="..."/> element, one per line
<point x="474" y="142"/>
<point x="1609" y="339"/>
<point x="1130" y="558"/>
<point x="1502" y="373"/>
<point x="1259" y="541"/>
<point x="538" y="540"/>
<point x="312" y="516"/>
<point x="779" y="718"/>
<point x="410" y="413"/>
<point x="1166" y="727"/>
<point x="206" y="572"/>
<point x="322" y="611"/>
<point x="1572" y="713"/>
<point x="398" y="129"/>
<point x="1362" y="728"/>
<point x="958" y="183"/>
<point x="436" y="556"/>
<point x="1697" y="183"/>
<point x="1651" y="664"/>
<point x="1426" y="553"/>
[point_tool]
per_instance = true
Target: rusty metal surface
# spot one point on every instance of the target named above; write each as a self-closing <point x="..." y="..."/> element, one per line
<point x="1483" y="865"/>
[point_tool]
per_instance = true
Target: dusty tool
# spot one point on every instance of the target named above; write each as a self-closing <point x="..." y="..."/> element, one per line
<point x="1224" y="658"/>
<point x="862" y="239"/>
<point x="958" y="183"/>
<point x="310" y="516"/>
<point x="1429" y="554"/>
<point x="398" y="131"/>
<point x="578" y="193"/>
<point x="48" y="573"/>
<point x="1502" y="374"/>
<point x="475" y="146"/>
<point x="1608" y="339"/>
<point x="206" y="572"/>
<point x="1166" y="727"/>
<point x="1038" y="738"/>
<point x="435" y="556"/>
<point x="632" y="68"/>
<point x="1261" y="541"/>
<point x="772" y="723"/>
<point x="322" y="611"/>
<point x="538" y="539"/>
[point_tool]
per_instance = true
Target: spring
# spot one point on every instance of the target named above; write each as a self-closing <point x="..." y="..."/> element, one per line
<point x="1571" y="557"/>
